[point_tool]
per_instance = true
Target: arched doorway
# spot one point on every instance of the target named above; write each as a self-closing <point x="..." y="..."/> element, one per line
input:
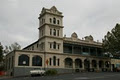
<point x="78" y="63"/>
<point x="107" y="64"/>
<point x="23" y="60"/>
<point x="86" y="64"/>
<point x="101" y="64"/>
<point x="36" y="61"/>
<point x="94" y="64"/>
<point x="68" y="63"/>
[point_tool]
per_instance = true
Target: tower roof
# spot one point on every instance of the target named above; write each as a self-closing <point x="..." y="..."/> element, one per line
<point x="52" y="10"/>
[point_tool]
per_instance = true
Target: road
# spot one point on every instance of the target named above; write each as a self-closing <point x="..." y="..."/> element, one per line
<point x="75" y="76"/>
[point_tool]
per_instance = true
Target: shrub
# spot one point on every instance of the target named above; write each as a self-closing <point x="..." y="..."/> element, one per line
<point x="51" y="72"/>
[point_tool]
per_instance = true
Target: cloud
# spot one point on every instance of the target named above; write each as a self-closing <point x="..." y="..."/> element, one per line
<point x="19" y="18"/>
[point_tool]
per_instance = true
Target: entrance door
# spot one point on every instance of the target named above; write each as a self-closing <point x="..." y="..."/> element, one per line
<point x="86" y="65"/>
<point x="113" y="67"/>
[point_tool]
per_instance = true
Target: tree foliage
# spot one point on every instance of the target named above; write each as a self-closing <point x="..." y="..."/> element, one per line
<point x="14" y="46"/>
<point x="6" y="49"/>
<point x="1" y="58"/>
<point x="1" y="52"/>
<point x="111" y="41"/>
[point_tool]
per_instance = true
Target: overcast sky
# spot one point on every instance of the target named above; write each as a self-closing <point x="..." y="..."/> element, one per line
<point x="19" y="18"/>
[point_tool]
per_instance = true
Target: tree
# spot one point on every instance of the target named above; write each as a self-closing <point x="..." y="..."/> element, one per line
<point x="1" y="53"/>
<point x="1" y="58"/>
<point x="111" y="41"/>
<point x="14" y="46"/>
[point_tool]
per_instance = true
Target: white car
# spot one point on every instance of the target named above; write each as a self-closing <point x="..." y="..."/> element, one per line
<point x="37" y="72"/>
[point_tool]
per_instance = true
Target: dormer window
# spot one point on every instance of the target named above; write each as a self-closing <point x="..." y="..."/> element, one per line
<point x="54" y="20"/>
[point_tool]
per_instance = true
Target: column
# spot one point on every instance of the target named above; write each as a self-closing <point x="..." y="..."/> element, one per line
<point x="90" y="64"/>
<point x="83" y="65"/>
<point x="73" y="64"/>
<point x="16" y="59"/>
<point x="104" y="67"/>
<point x="30" y="62"/>
<point x="97" y="64"/>
<point x="73" y="69"/>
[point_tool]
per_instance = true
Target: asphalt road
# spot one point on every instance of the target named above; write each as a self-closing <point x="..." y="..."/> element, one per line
<point x="75" y="76"/>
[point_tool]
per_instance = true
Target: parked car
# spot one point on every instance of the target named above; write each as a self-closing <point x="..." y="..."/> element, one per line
<point x="37" y="72"/>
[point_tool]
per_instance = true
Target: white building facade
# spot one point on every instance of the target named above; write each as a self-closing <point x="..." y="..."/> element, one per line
<point x="53" y="51"/>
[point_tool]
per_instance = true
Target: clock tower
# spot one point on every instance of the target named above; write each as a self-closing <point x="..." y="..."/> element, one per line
<point x="51" y="30"/>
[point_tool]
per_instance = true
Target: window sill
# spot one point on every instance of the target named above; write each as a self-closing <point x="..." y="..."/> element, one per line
<point x="54" y="49"/>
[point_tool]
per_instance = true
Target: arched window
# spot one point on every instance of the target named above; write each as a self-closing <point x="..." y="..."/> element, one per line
<point x="58" y="46"/>
<point x="23" y="60"/>
<point x="54" y="60"/>
<point x="50" y="20"/>
<point x="57" y="32"/>
<point x="94" y="63"/>
<point x="54" y="32"/>
<point x="54" y="20"/>
<point x="50" y="45"/>
<point x="36" y="61"/>
<point x="101" y="64"/>
<point x="68" y="63"/>
<point x="86" y="64"/>
<point x="57" y="21"/>
<point x="50" y="61"/>
<point x="78" y="63"/>
<point x="50" y="31"/>
<point x="58" y="62"/>
<point x="54" y="45"/>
